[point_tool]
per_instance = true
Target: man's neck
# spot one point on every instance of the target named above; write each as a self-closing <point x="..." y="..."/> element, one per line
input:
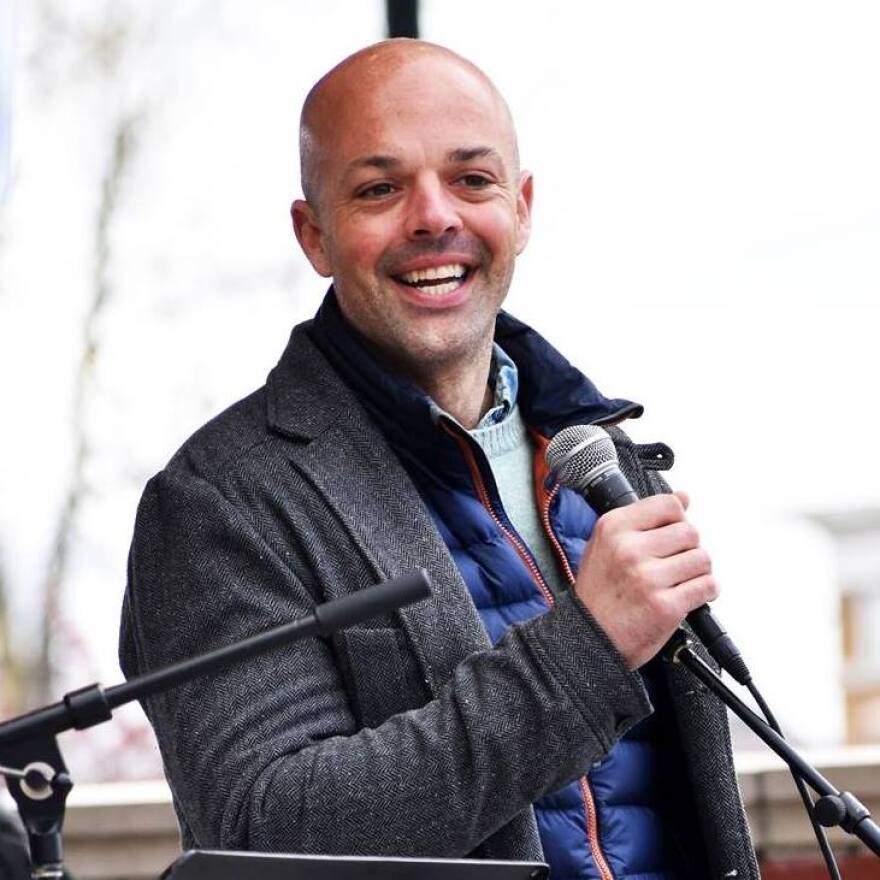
<point x="461" y="389"/>
<point x="465" y="406"/>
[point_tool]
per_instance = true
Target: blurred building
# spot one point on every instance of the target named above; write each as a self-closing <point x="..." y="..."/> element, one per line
<point x="856" y="536"/>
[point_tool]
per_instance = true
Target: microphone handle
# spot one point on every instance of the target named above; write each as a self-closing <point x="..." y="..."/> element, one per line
<point x="611" y="490"/>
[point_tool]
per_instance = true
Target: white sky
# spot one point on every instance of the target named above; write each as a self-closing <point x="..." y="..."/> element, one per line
<point x="706" y="234"/>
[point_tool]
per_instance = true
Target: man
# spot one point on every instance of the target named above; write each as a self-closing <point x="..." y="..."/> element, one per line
<point x="394" y="433"/>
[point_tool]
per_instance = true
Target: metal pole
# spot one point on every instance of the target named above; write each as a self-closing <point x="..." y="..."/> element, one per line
<point x="402" y="18"/>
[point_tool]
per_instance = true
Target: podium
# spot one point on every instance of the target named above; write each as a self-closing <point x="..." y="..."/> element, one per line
<point x="215" y="865"/>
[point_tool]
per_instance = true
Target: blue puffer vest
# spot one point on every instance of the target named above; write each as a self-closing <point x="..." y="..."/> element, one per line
<point x="617" y="821"/>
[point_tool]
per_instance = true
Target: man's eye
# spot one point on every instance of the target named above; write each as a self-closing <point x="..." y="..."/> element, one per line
<point x="376" y="191"/>
<point x="475" y="181"/>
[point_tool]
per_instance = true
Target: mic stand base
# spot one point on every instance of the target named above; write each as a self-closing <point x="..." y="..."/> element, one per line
<point x="833" y="807"/>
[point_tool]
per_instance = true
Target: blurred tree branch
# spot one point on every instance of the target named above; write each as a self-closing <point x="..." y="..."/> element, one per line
<point x="13" y="674"/>
<point x="104" y="45"/>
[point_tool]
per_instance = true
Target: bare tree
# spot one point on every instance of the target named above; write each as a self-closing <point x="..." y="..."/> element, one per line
<point x="13" y="678"/>
<point x="101" y="49"/>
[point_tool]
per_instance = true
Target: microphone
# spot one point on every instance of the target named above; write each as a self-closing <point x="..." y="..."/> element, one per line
<point x="584" y="459"/>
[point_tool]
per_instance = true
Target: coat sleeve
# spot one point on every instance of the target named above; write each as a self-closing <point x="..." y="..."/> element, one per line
<point x="267" y="754"/>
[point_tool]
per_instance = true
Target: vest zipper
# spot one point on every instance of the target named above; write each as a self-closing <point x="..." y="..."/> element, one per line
<point x="593" y="830"/>
<point x="557" y="547"/>
<point x="486" y="501"/>
<point x="592" y="826"/>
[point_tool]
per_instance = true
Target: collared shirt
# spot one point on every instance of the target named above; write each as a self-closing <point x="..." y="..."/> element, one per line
<point x="505" y="381"/>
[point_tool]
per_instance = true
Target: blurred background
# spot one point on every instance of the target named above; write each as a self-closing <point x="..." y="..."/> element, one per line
<point x="706" y="241"/>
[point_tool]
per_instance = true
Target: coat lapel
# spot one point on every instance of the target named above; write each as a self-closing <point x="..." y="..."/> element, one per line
<point x="376" y="501"/>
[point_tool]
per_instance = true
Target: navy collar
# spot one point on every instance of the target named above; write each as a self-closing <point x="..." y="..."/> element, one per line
<point x="554" y="394"/>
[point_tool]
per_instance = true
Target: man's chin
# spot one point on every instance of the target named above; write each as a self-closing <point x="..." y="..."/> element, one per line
<point x="445" y="347"/>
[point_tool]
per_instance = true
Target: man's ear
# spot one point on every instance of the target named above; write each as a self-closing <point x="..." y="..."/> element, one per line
<point x="308" y="234"/>
<point x="524" y="211"/>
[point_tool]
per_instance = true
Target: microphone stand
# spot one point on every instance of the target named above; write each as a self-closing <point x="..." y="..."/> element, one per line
<point x="833" y="807"/>
<point x="40" y="789"/>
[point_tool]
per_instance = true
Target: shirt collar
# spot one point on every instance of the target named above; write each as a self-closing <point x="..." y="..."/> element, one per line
<point x="504" y="379"/>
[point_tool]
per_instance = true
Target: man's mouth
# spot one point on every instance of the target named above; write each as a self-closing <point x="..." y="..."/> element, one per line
<point x="436" y="280"/>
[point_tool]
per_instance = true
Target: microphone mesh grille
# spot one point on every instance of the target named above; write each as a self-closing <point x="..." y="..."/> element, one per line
<point x="575" y="453"/>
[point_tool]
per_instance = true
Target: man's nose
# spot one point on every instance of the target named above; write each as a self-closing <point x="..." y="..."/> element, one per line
<point x="432" y="210"/>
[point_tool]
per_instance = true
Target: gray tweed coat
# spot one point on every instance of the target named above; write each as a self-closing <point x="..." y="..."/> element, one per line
<point x="408" y="735"/>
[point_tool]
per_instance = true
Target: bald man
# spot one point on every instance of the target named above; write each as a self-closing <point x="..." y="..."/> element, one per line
<point x="521" y="712"/>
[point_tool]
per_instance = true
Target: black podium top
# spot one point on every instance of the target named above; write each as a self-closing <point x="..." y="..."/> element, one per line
<point x="211" y="865"/>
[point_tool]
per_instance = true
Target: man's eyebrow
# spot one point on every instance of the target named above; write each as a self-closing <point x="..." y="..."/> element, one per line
<point x="385" y="162"/>
<point x="468" y="154"/>
<point x="382" y="162"/>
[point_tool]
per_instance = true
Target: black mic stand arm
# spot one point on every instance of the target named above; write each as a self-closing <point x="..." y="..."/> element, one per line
<point x="833" y="807"/>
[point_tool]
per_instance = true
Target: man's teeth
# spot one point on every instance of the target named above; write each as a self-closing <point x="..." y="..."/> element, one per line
<point x="436" y="279"/>
<point x="440" y="289"/>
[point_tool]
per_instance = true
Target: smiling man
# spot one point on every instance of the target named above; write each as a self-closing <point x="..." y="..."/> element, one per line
<point x="521" y="712"/>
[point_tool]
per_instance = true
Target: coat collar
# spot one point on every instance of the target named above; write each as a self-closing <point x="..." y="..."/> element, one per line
<point x="304" y="396"/>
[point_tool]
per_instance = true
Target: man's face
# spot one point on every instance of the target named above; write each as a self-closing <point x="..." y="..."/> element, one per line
<point x="421" y="210"/>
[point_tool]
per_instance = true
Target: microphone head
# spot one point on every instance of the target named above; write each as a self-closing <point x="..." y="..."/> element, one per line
<point x="579" y="454"/>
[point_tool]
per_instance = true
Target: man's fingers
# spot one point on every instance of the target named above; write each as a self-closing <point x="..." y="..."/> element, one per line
<point x="674" y="538"/>
<point x="693" y="593"/>
<point x="683" y="497"/>
<point x="643" y="571"/>
<point x="683" y="567"/>
<point x="644" y="515"/>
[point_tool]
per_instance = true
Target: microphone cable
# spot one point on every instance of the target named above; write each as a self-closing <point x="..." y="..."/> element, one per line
<point x="803" y="791"/>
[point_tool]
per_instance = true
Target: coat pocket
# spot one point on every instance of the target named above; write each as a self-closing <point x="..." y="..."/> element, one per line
<point x="379" y="664"/>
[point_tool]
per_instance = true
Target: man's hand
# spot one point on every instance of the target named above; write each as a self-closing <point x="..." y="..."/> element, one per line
<point x="642" y="572"/>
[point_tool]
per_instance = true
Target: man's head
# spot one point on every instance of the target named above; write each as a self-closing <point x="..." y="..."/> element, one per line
<point x="410" y="166"/>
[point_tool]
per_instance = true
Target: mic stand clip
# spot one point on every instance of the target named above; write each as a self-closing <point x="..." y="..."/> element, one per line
<point x="40" y="791"/>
